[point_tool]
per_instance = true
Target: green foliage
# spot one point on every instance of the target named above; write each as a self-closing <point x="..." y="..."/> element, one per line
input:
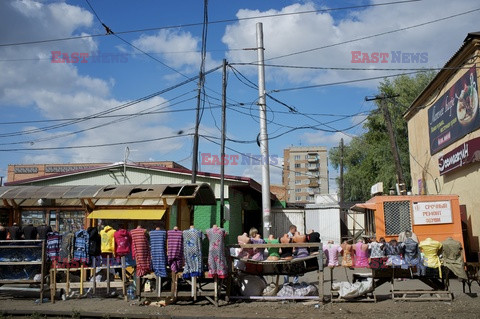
<point x="368" y="158"/>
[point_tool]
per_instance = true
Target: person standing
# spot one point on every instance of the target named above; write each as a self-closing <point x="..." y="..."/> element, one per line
<point x="3" y="232"/>
<point x="43" y="230"/>
<point x="30" y="232"/>
<point x="291" y="233"/>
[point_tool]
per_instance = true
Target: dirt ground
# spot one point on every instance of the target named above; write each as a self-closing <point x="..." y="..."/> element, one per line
<point x="463" y="306"/>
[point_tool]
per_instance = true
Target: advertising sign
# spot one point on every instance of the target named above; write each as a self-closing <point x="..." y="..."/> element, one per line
<point x="455" y="113"/>
<point x="464" y="154"/>
<point x="428" y="213"/>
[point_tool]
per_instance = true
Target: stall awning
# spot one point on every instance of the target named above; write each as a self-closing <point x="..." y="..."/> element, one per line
<point x="140" y="214"/>
<point x="363" y="207"/>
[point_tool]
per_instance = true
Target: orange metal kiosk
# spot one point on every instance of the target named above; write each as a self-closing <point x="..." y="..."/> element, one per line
<point x="434" y="216"/>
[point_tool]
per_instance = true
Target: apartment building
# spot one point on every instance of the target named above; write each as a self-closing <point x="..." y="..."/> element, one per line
<point x="305" y="173"/>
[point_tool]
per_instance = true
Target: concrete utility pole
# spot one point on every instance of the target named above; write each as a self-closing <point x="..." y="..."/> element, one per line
<point x="341" y="199"/>
<point x="393" y="140"/>
<point x="222" y="167"/>
<point x="263" y="133"/>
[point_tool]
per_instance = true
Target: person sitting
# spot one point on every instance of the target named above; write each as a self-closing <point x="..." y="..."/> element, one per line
<point x="273" y="252"/>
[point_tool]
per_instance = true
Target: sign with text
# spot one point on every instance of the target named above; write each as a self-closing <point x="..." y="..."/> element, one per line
<point x="428" y="213"/>
<point x="464" y="154"/>
<point x="455" y="113"/>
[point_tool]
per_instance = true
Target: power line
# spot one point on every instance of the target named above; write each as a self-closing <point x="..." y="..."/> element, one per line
<point x="210" y="22"/>
<point x="373" y="35"/>
<point x="92" y="146"/>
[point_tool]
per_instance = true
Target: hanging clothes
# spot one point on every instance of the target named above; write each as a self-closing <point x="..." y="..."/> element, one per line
<point x="331" y="251"/>
<point x="452" y="257"/>
<point x="123" y="242"/>
<point x="141" y="251"/>
<point x="54" y="241"/>
<point x="192" y="250"/>
<point x="80" y="250"/>
<point x="412" y="256"/>
<point x="94" y="241"/>
<point x="273" y="251"/>
<point x="66" y="247"/>
<point x="313" y="237"/>
<point x="158" y="248"/>
<point x="376" y="250"/>
<point x="431" y="249"/>
<point x="108" y="240"/>
<point x="361" y="255"/>
<point x="217" y="263"/>
<point x="175" y="250"/>
<point x="257" y="252"/>
<point x="347" y="260"/>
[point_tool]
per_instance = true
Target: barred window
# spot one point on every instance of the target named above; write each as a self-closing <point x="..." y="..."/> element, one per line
<point x="397" y="217"/>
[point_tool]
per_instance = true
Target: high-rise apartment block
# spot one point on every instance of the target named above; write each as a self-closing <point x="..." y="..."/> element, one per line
<point x="305" y="173"/>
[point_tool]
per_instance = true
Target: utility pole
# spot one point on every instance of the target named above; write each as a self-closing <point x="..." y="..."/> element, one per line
<point x="222" y="167"/>
<point x="393" y="140"/>
<point x="341" y="176"/>
<point x="263" y="133"/>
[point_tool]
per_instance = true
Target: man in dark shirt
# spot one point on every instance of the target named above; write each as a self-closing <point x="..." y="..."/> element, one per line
<point x="15" y="232"/>
<point x="3" y="232"/>
<point x="30" y="232"/>
<point x="43" y="230"/>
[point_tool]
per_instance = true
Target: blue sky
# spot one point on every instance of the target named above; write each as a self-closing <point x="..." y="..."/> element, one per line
<point x="36" y="94"/>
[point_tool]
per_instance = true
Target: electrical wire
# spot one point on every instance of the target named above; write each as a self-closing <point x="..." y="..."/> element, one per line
<point x="211" y="22"/>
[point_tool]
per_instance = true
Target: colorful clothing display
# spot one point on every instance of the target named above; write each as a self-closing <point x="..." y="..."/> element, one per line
<point x="332" y="251"/>
<point x="141" y="251"/>
<point x="376" y="250"/>
<point x="66" y="247"/>
<point x="430" y="248"/>
<point x="301" y="252"/>
<point x="158" y="247"/>
<point x="217" y="263"/>
<point x="361" y="255"/>
<point x="258" y="252"/>
<point x="391" y="249"/>
<point x="452" y="257"/>
<point x="54" y="240"/>
<point x="192" y="249"/>
<point x="123" y="242"/>
<point x="175" y="249"/>
<point x="94" y="241"/>
<point x="347" y="260"/>
<point x="108" y="240"/>
<point x="275" y="252"/>
<point x="80" y="250"/>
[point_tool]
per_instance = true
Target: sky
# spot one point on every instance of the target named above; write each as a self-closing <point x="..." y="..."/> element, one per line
<point x="71" y="93"/>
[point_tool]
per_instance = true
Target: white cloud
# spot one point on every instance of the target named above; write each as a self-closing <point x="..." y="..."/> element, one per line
<point x="326" y="139"/>
<point x="289" y="34"/>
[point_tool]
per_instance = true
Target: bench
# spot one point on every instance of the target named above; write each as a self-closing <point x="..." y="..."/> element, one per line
<point x="473" y="275"/>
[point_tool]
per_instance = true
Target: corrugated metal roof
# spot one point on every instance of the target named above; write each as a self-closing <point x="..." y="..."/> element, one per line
<point x="198" y="194"/>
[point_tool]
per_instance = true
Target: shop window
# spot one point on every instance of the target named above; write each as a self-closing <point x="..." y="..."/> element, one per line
<point x="70" y="221"/>
<point x="35" y="217"/>
<point x="397" y="217"/>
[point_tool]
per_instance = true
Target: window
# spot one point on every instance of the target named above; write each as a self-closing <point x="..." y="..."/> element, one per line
<point x="298" y="198"/>
<point x="35" y="217"/>
<point x="70" y="220"/>
<point x="298" y="190"/>
<point x="298" y="182"/>
<point x="311" y="198"/>
<point x="298" y="173"/>
<point x="298" y="165"/>
<point x="296" y="157"/>
<point x="306" y="181"/>
<point x="397" y="217"/>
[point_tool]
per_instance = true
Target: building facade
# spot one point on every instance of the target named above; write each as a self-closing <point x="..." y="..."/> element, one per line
<point x="444" y="138"/>
<point x="305" y="173"/>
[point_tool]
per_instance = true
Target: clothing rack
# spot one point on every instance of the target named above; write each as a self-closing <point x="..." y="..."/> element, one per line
<point x="84" y="282"/>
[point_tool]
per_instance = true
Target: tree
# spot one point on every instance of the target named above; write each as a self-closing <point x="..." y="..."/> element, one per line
<point x="368" y="158"/>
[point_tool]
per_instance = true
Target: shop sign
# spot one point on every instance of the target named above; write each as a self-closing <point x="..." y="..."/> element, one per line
<point x="466" y="153"/>
<point x="455" y="113"/>
<point x="428" y="213"/>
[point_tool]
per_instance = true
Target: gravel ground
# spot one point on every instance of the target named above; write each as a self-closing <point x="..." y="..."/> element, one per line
<point x="463" y="306"/>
